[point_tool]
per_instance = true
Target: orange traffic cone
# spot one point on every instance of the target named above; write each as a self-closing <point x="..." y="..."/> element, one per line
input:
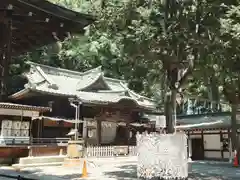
<point x="235" y="160"/>
<point x="84" y="170"/>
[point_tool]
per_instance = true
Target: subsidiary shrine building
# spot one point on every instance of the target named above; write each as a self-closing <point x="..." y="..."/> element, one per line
<point x="112" y="112"/>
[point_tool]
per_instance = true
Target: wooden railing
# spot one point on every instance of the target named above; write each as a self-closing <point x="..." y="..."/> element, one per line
<point x="91" y="151"/>
<point x="14" y="141"/>
<point x="4" y="141"/>
<point x="50" y="140"/>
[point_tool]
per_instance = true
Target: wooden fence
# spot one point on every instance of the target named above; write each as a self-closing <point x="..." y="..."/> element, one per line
<point x="109" y="151"/>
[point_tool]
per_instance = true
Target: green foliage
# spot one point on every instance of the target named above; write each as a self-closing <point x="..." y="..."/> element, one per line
<point x="138" y="40"/>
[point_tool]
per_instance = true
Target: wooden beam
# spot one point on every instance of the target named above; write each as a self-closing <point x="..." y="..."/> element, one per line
<point x="43" y="24"/>
<point x="39" y="13"/>
<point x="30" y="19"/>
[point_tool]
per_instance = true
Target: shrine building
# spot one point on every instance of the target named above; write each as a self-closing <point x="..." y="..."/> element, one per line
<point x="111" y="112"/>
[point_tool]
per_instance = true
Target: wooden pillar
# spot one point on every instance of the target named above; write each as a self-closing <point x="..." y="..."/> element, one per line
<point x="38" y="128"/>
<point x="202" y="136"/>
<point x="221" y="140"/>
<point x="40" y="124"/>
<point x="6" y="56"/>
<point x="99" y="131"/>
<point x="230" y="146"/>
<point x="188" y="143"/>
<point x="128" y="133"/>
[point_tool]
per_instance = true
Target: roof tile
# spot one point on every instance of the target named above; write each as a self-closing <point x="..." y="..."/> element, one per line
<point x="72" y="83"/>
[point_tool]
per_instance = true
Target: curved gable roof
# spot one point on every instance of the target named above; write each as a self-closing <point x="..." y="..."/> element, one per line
<point x="90" y="86"/>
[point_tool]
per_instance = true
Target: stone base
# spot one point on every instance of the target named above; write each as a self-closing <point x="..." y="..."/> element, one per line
<point x="75" y="149"/>
<point x="39" y="161"/>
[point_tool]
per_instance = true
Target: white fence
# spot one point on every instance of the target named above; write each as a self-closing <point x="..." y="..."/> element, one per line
<point x="99" y="151"/>
<point x="109" y="151"/>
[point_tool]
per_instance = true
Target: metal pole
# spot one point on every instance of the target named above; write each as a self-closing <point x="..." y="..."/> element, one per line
<point x="230" y="150"/>
<point x="76" y="120"/>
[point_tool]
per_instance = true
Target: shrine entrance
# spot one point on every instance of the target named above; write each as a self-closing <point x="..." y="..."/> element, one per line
<point x="197" y="149"/>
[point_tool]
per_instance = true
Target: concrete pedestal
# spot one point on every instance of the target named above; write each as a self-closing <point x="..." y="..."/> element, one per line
<point x="75" y="149"/>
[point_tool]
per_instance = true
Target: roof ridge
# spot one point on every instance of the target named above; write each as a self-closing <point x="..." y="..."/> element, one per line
<point x="94" y="70"/>
<point x="135" y="94"/>
<point x="96" y="78"/>
<point x="55" y="68"/>
<point x="75" y="72"/>
<point x="114" y="79"/>
<point x="43" y="74"/>
<point x="110" y="91"/>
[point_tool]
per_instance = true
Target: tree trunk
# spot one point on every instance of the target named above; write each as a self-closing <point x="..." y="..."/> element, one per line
<point x="170" y="110"/>
<point x="234" y="137"/>
<point x="214" y="94"/>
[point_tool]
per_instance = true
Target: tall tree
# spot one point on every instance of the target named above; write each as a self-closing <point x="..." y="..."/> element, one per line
<point x="229" y="66"/>
<point x="167" y="37"/>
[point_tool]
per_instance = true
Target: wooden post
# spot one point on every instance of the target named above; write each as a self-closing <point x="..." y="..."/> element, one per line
<point x="99" y="131"/>
<point x="6" y="56"/>
<point x="188" y="143"/>
<point x="221" y="140"/>
<point x="202" y="136"/>
<point x="128" y="134"/>
<point x="234" y="127"/>
<point x="230" y="146"/>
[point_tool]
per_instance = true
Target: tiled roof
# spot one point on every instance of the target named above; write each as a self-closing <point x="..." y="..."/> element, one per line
<point x="46" y="79"/>
<point x="212" y="120"/>
<point x="225" y="121"/>
<point x="24" y="107"/>
<point x="204" y="118"/>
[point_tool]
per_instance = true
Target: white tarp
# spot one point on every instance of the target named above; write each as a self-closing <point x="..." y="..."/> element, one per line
<point x="162" y="155"/>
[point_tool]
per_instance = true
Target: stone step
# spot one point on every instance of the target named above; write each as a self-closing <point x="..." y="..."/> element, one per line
<point x="18" y="166"/>
<point x="41" y="160"/>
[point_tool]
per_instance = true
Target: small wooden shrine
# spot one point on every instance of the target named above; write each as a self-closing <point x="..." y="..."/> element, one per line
<point x="16" y="129"/>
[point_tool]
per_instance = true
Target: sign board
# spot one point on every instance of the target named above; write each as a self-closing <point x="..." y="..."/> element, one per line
<point x="120" y="150"/>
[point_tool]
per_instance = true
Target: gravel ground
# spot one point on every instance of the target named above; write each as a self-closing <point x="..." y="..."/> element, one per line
<point x="123" y="169"/>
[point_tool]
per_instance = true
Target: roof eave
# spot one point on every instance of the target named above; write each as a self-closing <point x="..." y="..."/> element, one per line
<point x="19" y="94"/>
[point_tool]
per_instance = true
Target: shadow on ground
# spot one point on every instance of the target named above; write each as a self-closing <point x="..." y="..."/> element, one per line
<point x="200" y="171"/>
<point x="123" y="172"/>
<point x="202" y="176"/>
<point x="211" y="170"/>
<point x="38" y="174"/>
